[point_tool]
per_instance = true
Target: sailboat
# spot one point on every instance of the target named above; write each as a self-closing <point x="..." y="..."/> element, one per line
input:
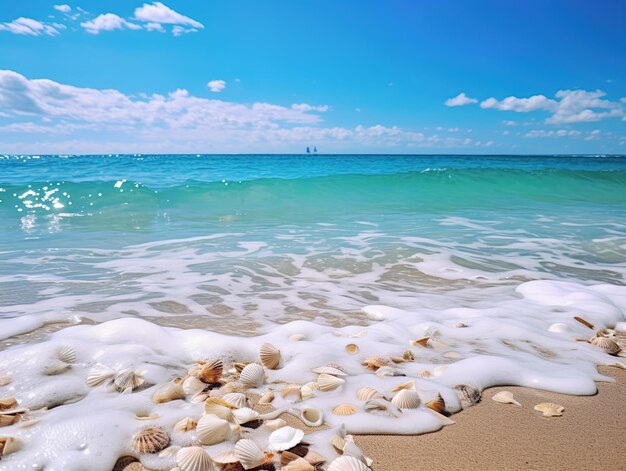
<point x="308" y="151"/>
<point x="315" y="150"/>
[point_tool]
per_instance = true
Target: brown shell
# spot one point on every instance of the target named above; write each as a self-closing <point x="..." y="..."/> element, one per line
<point x="422" y="342"/>
<point x="270" y="356"/>
<point x="211" y="371"/>
<point x="374" y="362"/>
<point x="8" y="403"/>
<point x="150" y="440"/>
<point x="437" y="404"/>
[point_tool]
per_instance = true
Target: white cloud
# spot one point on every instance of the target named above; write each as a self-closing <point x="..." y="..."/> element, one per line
<point x="160" y="13"/>
<point x="460" y="100"/>
<point x="28" y="26"/>
<point x="155" y="27"/>
<point x="107" y="22"/>
<point x="551" y="133"/>
<point x="63" y="8"/>
<point x="306" y="107"/>
<point x="537" y="102"/>
<point x="180" y="30"/>
<point x="216" y="85"/>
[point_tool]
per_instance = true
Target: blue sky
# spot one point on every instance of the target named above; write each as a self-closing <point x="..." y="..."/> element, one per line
<point x="275" y="76"/>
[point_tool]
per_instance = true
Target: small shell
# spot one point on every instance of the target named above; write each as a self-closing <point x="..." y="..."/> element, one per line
<point x="329" y="370"/>
<point x="468" y="395"/>
<point x="66" y="354"/>
<point x="459" y="325"/>
<point x="287" y="457"/>
<point x="219" y="407"/>
<point x="299" y="464"/>
<point x="226" y="457"/>
<point x="98" y="374"/>
<point x="267" y="398"/>
<point x="211" y="371"/>
<point x="425" y="374"/>
<point x="270" y="356"/>
<point x="8" y="445"/>
<point x="291" y="392"/>
<point x="7" y="403"/>
<point x="381" y="405"/>
<point x="406" y="399"/>
<point x="5" y="378"/>
<point x="193" y="386"/>
<point x="146" y="416"/>
<point x="297" y="337"/>
<point x="351" y="449"/>
<point x="275" y="424"/>
<point x="452" y="356"/>
<point x="249" y="454"/>
<point x="236" y="399"/>
<point x="408" y="355"/>
<point x="550" y="409"/>
<point x="344" y="409"/>
<point x="314" y="458"/>
<point x="169" y="392"/>
<point x="150" y="440"/>
<point x="365" y="394"/>
<point x="505" y="397"/>
<point x="374" y="362"/>
<point x="253" y="375"/>
<point x="194" y="458"/>
<point x="8" y="419"/>
<point x="386" y="371"/>
<point x="240" y="366"/>
<point x="55" y="367"/>
<point x="285" y="438"/>
<point x="212" y="430"/>
<point x="352" y="348"/>
<point x="406" y="385"/>
<point x="444" y="420"/>
<point x="186" y="424"/>
<point x="609" y="346"/>
<point x="169" y="452"/>
<point x="245" y="415"/>
<point x="347" y="463"/>
<point x="421" y="342"/>
<point x="311" y="416"/>
<point x="127" y="379"/>
<point x="307" y="392"/>
<point x="584" y="322"/>
<point x="328" y="382"/>
<point x="437" y="404"/>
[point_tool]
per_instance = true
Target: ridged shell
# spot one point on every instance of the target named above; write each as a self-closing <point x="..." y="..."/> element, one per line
<point x="55" y="367"/>
<point x="127" y="379"/>
<point x="307" y="392"/>
<point x="382" y="405"/>
<point x="211" y="371"/>
<point x="365" y="394"/>
<point x="212" y="430"/>
<point x="344" y="409"/>
<point x="169" y="452"/>
<point x="150" y="440"/>
<point x="169" y="392"/>
<point x="328" y="382"/>
<point x="437" y="404"/>
<point x="226" y="457"/>
<point x="8" y="445"/>
<point x="351" y="449"/>
<point x="299" y="464"/>
<point x="505" y="397"/>
<point x="287" y="457"/>
<point x="193" y="386"/>
<point x="270" y="356"/>
<point x="468" y="395"/>
<point x="249" y="454"/>
<point x="186" y="424"/>
<point x="314" y="458"/>
<point x="66" y="354"/>
<point x="406" y="385"/>
<point x="285" y="438"/>
<point x="236" y="399"/>
<point x="312" y="416"/>
<point x="194" y="458"/>
<point x="219" y="407"/>
<point x="550" y="409"/>
<point x="245" y="415"/>
<point x="352" y="348"/>
<point x="5" y="378"/>
<point x="374" y="362"/>
<point x="609" y="346"/>
<point x="329" y="370"/>
<point x="7" y="403"/>
<point x="347" y="463"/>
<point x="274" y="424"/>
<point x="406" y="399"/>
<point x="253" y="375"/>
<point x="98" y="374"/>
<point x="267" y="397"/>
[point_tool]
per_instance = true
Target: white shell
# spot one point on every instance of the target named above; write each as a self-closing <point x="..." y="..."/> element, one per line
<point x="169" y="392"/>
<point x="66" y="354"/>
<point x="267" y="398"/>
<point x="297" y="337"/>
<point x="226" y="457"/>
<point x="170" y="452"/>
<point x="347" y="463"/>
<point x="306" y="392"/>
<point x="550" y="409"/>
<point x="382" y="405"/>
<point x="55" y="367"/>
<point x="285" y="438"/>
<point x="193" y="386"/>
<point x="194" y="458"/>
<point x="328" y="382"/>
<point x="9" y="445"/>
<point x="609" y="346"/>
<point x="468" y="395"/>
<point x="367" y="393"/>
<point x="270" y="356"/>
<point x="351" y="449"/>
<point x="505" y="397"/>
<point x="212" y="430"/>
<point x="186" y="424"/>
<point x="253" y="375"/>
<point x="274" y="424"/>
<point x="311" y="416"/>
<point x="406" y="385"/>
<point x="245" y="415"/>
<point x="329" y="370"/>
<point x="127" y="379"/>
<point x="236" y="399"/>
<point x="98" y="374"/>
<point x="299" y="464"/>
<point x="218" y="407"/>
<point x="249" y="454"/>
<point x="406" y="399"/>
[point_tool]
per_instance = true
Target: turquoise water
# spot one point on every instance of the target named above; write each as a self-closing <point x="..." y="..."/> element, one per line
<point x="284" y="237"/>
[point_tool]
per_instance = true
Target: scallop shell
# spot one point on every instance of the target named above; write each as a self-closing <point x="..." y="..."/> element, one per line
<point x="275" y="424"/>
<point x="150" y="440"/>
<point x="287" y="457"/>
<point x="314" y="458"/>
<point x="306" y="392"/>
<point x="270" y="356"/>
<point x="98" y="374"/>
<point x="352" y="348"/>
<point x="422" y="342"/>
<point x="329" y="370"/>
<point x="194" y="458"/>
<point x="406" y="399"/>
<point x="186" y="424"/>
<point x="267" y="397"/>
<point x="365" y="394"/>
<point x="127" y="379"/>
<point x="193" y="386"/>
<point x="344" y="409"/>
<point x="347" y="463"/>
<point x="381" y="405"/>
<point x="297" y="337"/>
<point x="437" y="404"/>
<point x="211" y="371"/>
<point x="236" y="399"/>
<point x="55" y="367"/>
<point x="374" y="362"/>
<point x="253" y="375"/>
<point x="328" y="382"/>
<point x="8" y="445"/>
<point x="169" y="392"/>
<point x="609" y="346"/>
<point x="219" y="407"/>
<point x="299" y="464"/>
<point x="505" y="397"/>
<point x="240" y="366"/>
<point x="212" y="430"/>
<point x="169" y="452"/>
<point x="285" y="438"/>
<point x="550" y="409"/>
<point x="5" y="378"/>
<point x="468" y="395"/>
<point x="406" y="385"/>
<point x="311" y="416"/>
<point x="351" y="449"/>
<point x="7" y="403"/>
<point x="249" y="454"/>
<point x="226" y="457"/>
<point x="66" y="354"/>
<point x="245" y="415"/>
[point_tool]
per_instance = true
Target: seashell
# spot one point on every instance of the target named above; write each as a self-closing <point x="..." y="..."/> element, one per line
<point x="275" y="424"/>
<point x="291" y="392"/>
<point x="307" y="392"/>
<point x="66" y="354"/>
<point x="397" y="359"/>
<point x="28" y="423"/>
<point x="219" y="407"/>
<point x="297" y="337"/>
<point x="314" y="458"/>
<point x="439" y="370"/>
<point x="150" y="440"/>
<point x="328" y="382"/>
<point x="351" y="449"/>
<point x="267" y="398"/>
<point x="408" y="355"/>
<point x="584" y="322"/>
<point x="311" y="416"/>
<point x="406" y="399"/>
<point x="425" y="374"/>
<point x="344" y="409"/>
<point x="559" y="327"/>
<point x="385" y="371"/>
<point x="287" y="457"/>
<point x="7" y="403"/>
<point x="5" y="378"/>
<point x="381" y="405"/>
<point x="146" y="416"/>
<point x="453" y="356"/>
<point x="336" y="366"/>
<point x="374" y="362"/>
<point x="361" y="333"/>
<point x="609" y="346"/>
<point x="192" y="386"/>
<point x="212" y="430"/>
<point x="468" y="395"/>
<point x="226" y="457"/>
<point x="186" y="424"/>
<point x="352" y="348"/>
<point x="299" y="464"/>
<point x="127" y="379"/>
<point x="8" y="445"/>
<point x="245" y="415"/>
<point x="249" y="454"/>
<point x="459" y="325"/>
<point x="199" y="398"/>
<point x="329" y="370"/>
<point x="437" y="404"/>
<point x="421" y="342"/>
<point x="365" y="394"/>
<point x="233" y="386"/>
<point x="55" y="367"/>
<point x="194" y="458"/>
<point x="98" y="374"/>
<point x="285" y="438"/>
<point x="444" y="420"/>
<point x="617" y="364"/>
<point x="211" y="371"/>
<point x="240" y="366"/>
<point x="406" y="385"/>
<point x="505" y="397"/>
<point x="6" y="420"/>
<point x="170" y="452"/>
<point x="347" y="463"/>
<point x="270" y="356"/>
<point x="550" y="409"/>
<point x="236" y="399"/>
<point x="169" y="392"/>
<point x="253" y="375"/>
<point x="338" y="440"/>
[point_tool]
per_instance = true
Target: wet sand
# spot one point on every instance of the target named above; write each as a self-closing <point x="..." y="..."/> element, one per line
<point x="492" y="436"/>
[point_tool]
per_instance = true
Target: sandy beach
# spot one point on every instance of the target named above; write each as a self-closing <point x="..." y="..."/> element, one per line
<point x="589" y="435"/>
